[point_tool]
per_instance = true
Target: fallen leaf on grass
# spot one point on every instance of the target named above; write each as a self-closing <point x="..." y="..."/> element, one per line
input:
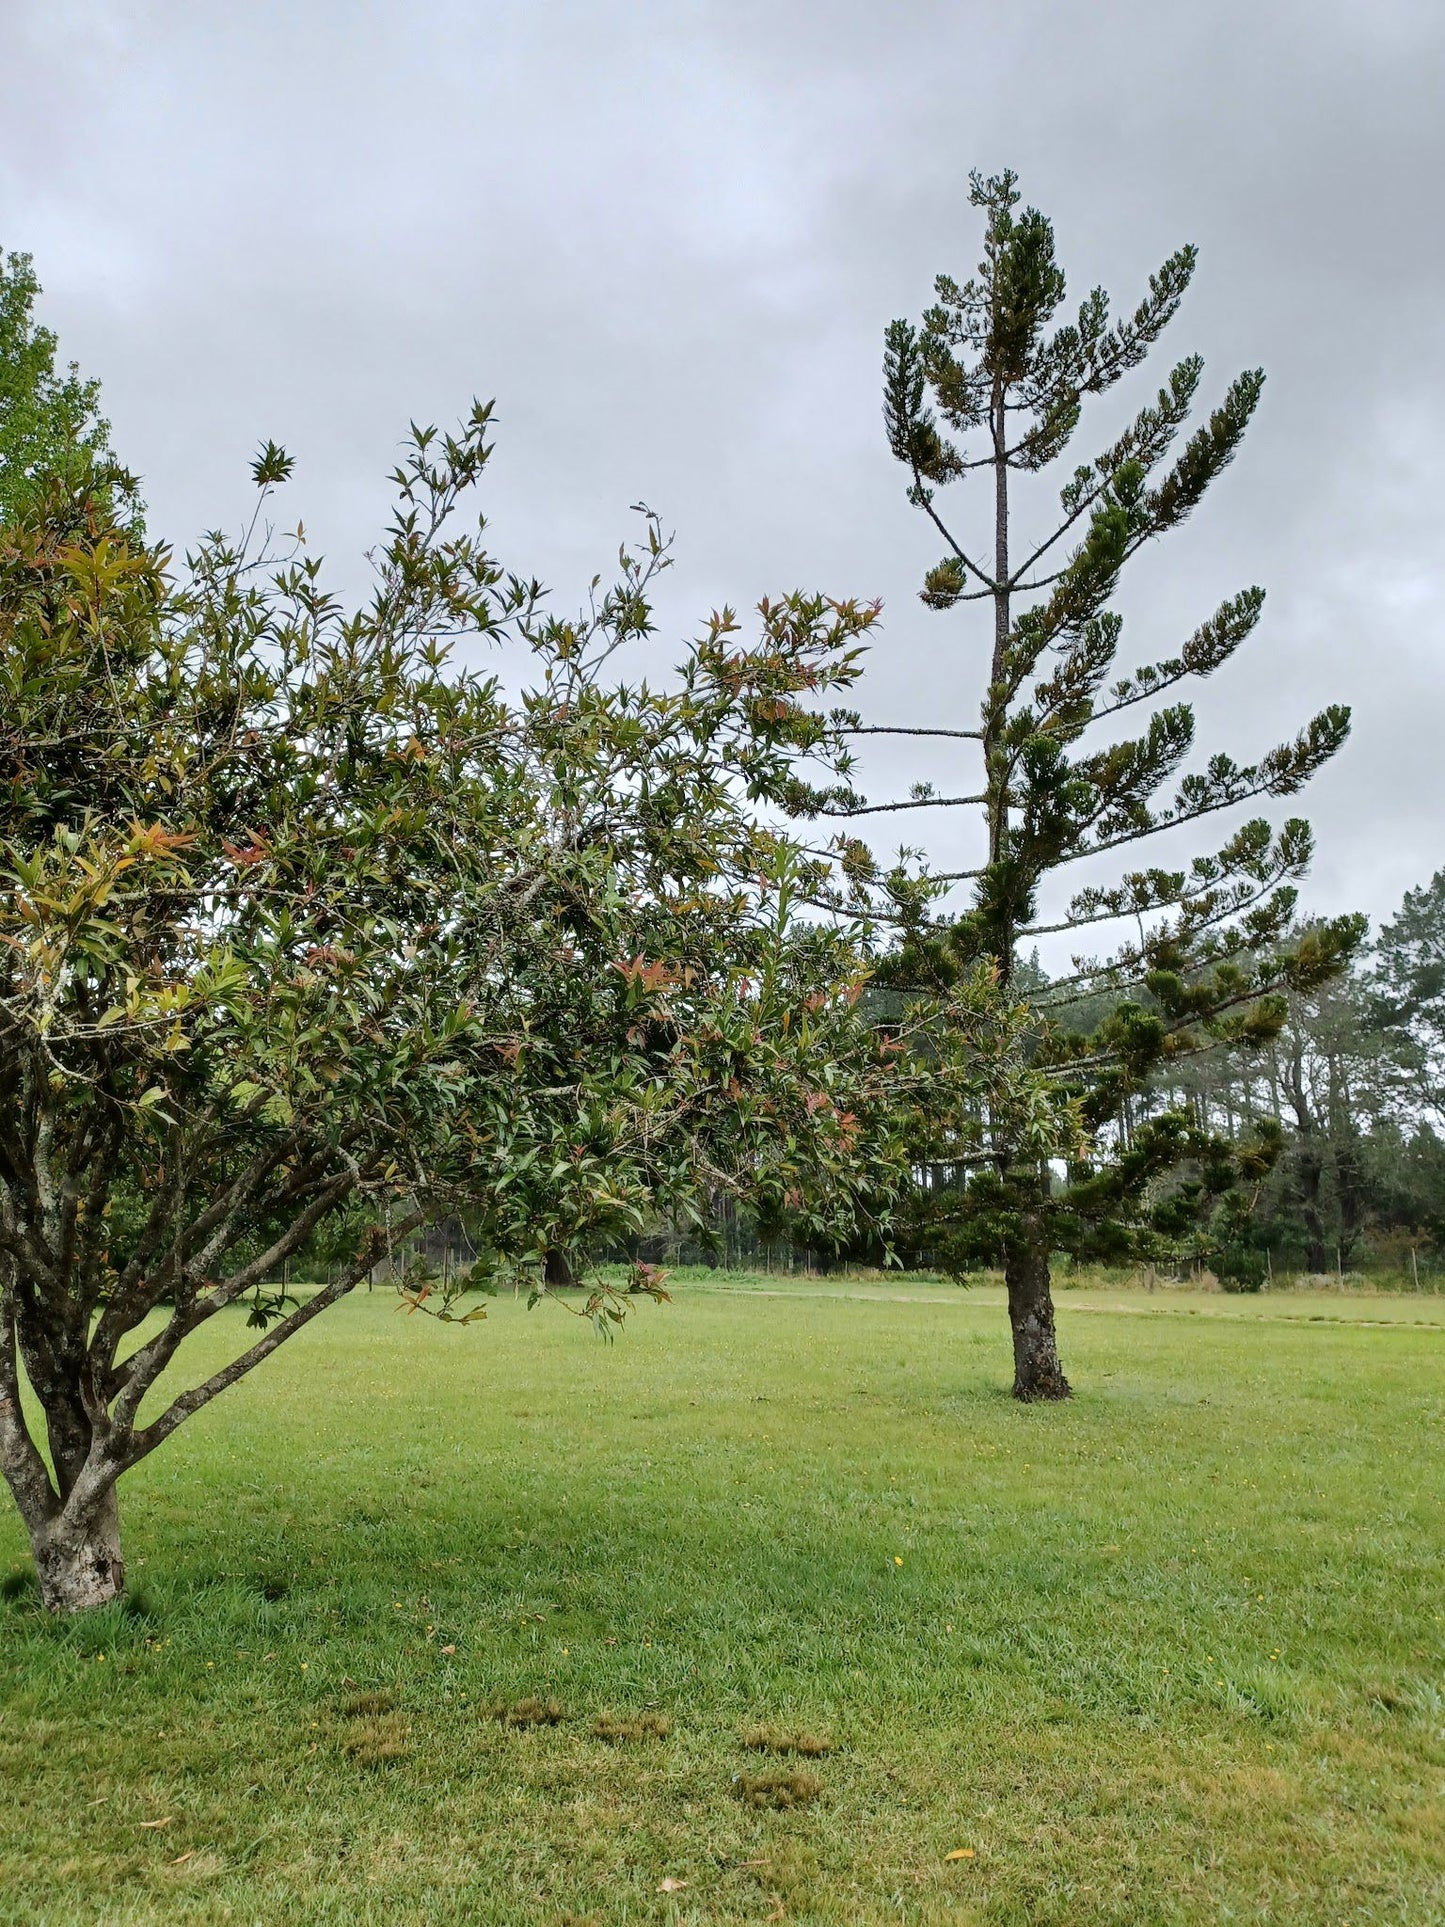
<point x="961" y="1853"/>
<point x="671" y="1886"/>
<point x="157" y="1823"/>
<point x="449" y="1649"/>
<point x="181" y="1858"/>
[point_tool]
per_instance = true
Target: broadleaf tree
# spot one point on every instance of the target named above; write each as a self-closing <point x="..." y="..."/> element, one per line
<point x="990" y="387"/>
<point x="307" y="929"/>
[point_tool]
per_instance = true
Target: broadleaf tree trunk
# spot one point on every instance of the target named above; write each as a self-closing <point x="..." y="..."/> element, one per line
<point x="1309" y="1162"/>
<point x="1311" y="1170"/>
<point x="71" y="1510"/>
<point x="557" y="1268"/>
<point x="78" y="1560"/>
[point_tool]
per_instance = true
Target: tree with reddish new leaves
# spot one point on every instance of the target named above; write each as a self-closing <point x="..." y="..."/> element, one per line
<point x="306" y="930"/>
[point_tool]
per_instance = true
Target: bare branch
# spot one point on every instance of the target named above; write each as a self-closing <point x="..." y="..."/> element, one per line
<point x="914" y="803"/>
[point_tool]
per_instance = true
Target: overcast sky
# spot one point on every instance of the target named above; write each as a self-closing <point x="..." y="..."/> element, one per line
<point x="667" y="237"/>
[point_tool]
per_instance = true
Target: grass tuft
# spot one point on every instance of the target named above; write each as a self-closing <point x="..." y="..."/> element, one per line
<point x="780" y="1787"/>
<point x="378" y="1742"/>
<point x="640" y="1726"/>
<point x="777" y="1739"/>
<point x="527" y="1712"/>
<point x="367" y="1705"/>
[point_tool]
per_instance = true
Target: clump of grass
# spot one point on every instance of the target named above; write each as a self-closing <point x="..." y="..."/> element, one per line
<point x="528" y="1712"/>
<point x="379" y="1741"/>
<point x="615" y="1728"/>
<point x="779" y="1788"/>
<point x="367" y="1705"/>
<point x="1389" y="1697"/>
<point x="778" y="1739"/>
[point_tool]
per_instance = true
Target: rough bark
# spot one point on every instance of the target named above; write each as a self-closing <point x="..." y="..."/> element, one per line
<point x="1037" y="1371"/>
<point x="73" y="1518"/>
<point x="78" y="1562"/>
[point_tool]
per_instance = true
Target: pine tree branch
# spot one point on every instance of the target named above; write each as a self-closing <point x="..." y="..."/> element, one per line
<point x="914" y="803"/>
<point x="1262" y="788"/>
<point x="923" y="499"/>
<point x="880" y="729"/>
<point x="1180" y="902"/>
<point x="1107" y="979"/>
<point x="1174" y="1028"/>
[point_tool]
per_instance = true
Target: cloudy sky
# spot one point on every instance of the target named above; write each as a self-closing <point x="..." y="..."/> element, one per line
<point x="667" y="237"/>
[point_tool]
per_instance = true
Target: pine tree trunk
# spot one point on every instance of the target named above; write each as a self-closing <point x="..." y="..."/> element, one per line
<point x="1037" y="1371"/>
<point x="78" y="1562"/>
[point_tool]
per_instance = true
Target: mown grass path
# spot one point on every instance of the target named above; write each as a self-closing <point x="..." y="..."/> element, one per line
<point x="1169" y="1653"/>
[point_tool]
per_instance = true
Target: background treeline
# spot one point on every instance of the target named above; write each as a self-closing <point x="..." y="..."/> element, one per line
<point x="1350" y="1093"/>
<point x="1355" y="1085"/>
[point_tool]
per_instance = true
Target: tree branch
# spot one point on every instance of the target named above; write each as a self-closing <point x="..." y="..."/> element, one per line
<point x="149" y="1437"/>
<point x="914" y="803"/>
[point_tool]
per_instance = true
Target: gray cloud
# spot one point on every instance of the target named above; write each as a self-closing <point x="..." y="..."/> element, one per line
<point x="667" y="237"/>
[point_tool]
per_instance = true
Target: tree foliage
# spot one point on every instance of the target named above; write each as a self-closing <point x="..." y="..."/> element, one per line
<point x="306" y="924"/>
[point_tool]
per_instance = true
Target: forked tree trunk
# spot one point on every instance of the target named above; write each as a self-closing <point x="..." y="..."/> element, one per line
<point x="1037" y="1371"/>
<point x="78" y="1562"/>
<point x="71" y="1511"/>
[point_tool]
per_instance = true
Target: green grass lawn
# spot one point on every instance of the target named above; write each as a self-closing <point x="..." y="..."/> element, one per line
<point x="1169" y="1653"/>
